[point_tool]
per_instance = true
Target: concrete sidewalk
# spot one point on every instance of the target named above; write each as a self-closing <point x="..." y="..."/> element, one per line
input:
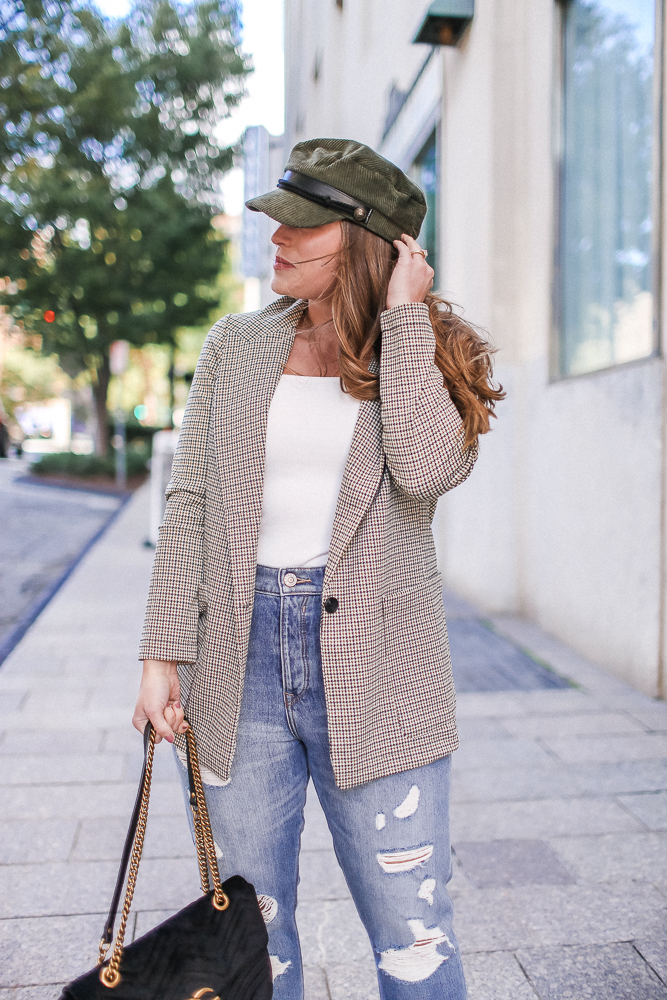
<point x="559" y="820"/>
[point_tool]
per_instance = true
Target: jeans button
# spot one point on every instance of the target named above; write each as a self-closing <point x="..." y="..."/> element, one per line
<point x="289" y="579"/>
<point x="331" y="605"/>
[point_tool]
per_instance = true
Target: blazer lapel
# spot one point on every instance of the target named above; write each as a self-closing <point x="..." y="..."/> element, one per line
<point x="244" y="392"/>
<point x="361" y="479"/>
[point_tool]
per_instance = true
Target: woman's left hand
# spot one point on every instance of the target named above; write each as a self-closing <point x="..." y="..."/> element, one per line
<point x="412" y="277"/>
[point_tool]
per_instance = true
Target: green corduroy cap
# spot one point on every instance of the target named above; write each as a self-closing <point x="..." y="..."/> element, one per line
<point x="330" y="179"/>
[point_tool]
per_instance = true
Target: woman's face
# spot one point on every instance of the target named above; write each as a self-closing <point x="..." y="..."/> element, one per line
<point x="315" y="278"/>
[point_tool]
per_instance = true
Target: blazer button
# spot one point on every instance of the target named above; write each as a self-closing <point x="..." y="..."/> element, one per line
<point x="331" y="605"/>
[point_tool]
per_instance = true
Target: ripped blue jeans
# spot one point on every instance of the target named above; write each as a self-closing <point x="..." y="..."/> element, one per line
<point x="391" y="835"/>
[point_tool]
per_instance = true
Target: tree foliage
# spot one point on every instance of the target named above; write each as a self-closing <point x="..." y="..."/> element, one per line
<point x="111" y="171"/>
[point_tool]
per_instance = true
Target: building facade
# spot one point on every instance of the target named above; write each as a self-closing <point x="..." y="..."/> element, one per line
<point x="538" y="139"/>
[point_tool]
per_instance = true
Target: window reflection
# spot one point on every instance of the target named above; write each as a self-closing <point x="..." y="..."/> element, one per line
<point x="426" y="176"/>
<point x="606" y="218"/>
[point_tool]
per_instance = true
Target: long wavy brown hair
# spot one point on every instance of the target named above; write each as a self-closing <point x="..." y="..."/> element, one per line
<point x="364" y="267"/>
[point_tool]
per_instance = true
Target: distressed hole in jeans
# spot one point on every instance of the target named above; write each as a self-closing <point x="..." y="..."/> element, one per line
<point x="404" y="861"/>
<point x="207" y="777"/>
<point x="268" y="907"/>
<point x="421" y="958"/>
<point x="409" y="804"/>
<point x="278" y="967"/>
<point x="426" y="890"/>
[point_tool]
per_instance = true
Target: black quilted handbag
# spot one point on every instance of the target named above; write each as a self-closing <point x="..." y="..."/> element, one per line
<point x="214" y="949"/>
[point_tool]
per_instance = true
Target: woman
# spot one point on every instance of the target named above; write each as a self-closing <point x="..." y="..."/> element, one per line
<point x="295" y="607"/>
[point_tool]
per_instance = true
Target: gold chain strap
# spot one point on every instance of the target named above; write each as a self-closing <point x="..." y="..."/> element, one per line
<point x="203" y="834"/>
<point x="110" y="974"/>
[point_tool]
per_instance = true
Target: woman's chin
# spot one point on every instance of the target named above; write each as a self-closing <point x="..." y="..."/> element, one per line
<point x="281" y="284"/>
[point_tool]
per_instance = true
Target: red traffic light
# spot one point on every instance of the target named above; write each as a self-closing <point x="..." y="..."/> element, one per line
<point x="49" y="315"/>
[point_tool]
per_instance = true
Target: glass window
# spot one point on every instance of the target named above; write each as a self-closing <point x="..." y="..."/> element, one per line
<point x="605" y="294"/>
<point x="425" y="174"/>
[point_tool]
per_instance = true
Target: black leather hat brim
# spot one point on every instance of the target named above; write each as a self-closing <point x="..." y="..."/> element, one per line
<point x="292" y="210"/>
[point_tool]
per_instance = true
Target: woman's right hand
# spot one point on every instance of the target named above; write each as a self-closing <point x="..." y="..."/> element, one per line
<point x="160" y="701"/>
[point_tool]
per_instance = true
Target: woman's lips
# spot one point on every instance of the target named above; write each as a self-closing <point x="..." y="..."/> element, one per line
<point x="280" y="264"/>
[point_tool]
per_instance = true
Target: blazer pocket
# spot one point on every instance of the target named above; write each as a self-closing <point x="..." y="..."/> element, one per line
<point x="416" y="650"/>
<point x="203" y="598"/>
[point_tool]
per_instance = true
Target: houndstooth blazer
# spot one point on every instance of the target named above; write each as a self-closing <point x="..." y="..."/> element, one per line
<point x="385" y="655"/>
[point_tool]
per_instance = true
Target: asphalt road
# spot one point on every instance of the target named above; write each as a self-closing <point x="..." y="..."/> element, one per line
<point x="43" y="529"/>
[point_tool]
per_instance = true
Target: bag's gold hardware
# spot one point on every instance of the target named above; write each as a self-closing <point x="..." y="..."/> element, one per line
<point x="109" y="977"/>
<point x="200" y="993"/>
<point x="110" y="974"/>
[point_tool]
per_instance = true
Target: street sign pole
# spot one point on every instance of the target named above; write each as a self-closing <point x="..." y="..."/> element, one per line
<point x="119" y="356"/>
<point x="119" y="445"/>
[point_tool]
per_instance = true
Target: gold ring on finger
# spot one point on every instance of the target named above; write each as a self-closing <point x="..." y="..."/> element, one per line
<point x="421" y="252"/>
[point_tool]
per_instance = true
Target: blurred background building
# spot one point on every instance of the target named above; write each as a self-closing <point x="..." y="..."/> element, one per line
<point x="535" y="129"/>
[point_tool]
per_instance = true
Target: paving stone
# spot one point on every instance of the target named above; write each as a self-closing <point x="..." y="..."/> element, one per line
<point x="653" y="718"/>
<point x="315" y="983"/>
<point x="609" y="748"/>
<point x="538" y="818"/>
<point x="332" y="933"/>
<point x="321" y="877"/>
<point x="316" y="835"/>
<point x="146" y="920"/>
<point x="57" y="742"/>
<point x="103" y="839"/>
<point x="596" y="972"/>
<point x="62" y="768"/>
<point x="480" y="728"/>
<point x="496" y="976"/>
<point x="66" y="888"/>
<point x="554" y="702"/>
<point x="655" y="953"/>
<point x="532" y="916"/>
<point x="56" y="888"/>
<point x="167" y="883"/>
<point x="615" y="857"/>
<point x="46" y="801"/>
<point x="121" y="739"/>
<point x="477" y="705"/>
<point x="577" y="779"/>
<point x="649" y="807"/>
<point x="48" y="949"/>
<point x="475" y="754"/>
<point x="22" y="841"/>
<point x="557" y="726"/>
<point x="485" y="661"/>
<point x="50" y="992"/>
<point x="164" y="765"/>
<point x="11" y="701"/>
<point x="459" y="884"/>
<point x="57" y="702"/>
<point x="353" y="982"/>
<point x="510" y="863"/>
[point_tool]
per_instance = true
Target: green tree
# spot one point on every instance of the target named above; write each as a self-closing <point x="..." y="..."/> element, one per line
<point x="111" y="174"/>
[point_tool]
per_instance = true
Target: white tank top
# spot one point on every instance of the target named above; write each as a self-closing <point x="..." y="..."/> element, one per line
<point x="308" y="436"/>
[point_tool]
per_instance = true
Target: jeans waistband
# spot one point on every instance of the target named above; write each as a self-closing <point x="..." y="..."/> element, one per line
<point x="289" y="580"/>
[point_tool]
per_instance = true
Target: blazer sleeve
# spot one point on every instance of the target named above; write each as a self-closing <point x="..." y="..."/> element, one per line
<point x="422" y="430"/>
<point x="172" y="613"/>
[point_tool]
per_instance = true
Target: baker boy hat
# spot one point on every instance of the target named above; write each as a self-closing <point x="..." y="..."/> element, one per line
<point x="330" y="179"/>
